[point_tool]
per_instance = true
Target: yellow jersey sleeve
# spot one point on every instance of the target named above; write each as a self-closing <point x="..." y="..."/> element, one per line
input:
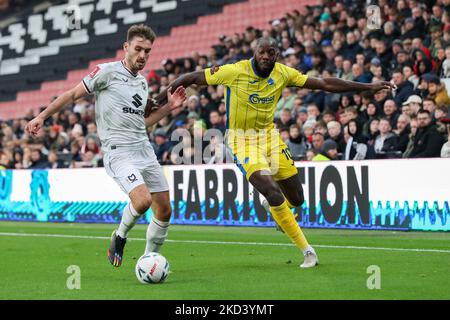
<point x="225" y="75"/>
<point x="295" y="77"/>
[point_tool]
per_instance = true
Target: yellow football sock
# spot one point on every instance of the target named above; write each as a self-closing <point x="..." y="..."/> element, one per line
<point x="283" y="216"/>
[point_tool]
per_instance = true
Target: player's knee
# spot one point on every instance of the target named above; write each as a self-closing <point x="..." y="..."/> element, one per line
<point x="273" y="195"/>
<point x="143" y="204"/>
<point x="166" y="212"/>
<point x="298" y="200"/>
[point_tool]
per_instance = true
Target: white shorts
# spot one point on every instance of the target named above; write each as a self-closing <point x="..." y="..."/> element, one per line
<point x="133" y="167"/>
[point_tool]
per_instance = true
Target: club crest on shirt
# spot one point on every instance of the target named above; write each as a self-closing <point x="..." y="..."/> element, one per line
<point x="143" y="85"/>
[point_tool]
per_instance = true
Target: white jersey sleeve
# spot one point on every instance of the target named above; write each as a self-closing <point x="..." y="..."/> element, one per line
<point x="98" y="79"/>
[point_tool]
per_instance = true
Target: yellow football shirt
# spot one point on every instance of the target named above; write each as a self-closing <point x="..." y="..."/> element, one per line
<point x="250" y="99"/>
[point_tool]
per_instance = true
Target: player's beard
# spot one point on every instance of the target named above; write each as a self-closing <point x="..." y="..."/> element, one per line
<point x="268" y="68"/>
<point x="140" y="65"/>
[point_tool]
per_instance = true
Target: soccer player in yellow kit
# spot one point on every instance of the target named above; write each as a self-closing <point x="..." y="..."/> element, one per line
<point x="252" y="90"/>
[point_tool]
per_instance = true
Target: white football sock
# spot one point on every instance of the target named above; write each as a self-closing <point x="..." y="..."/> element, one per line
<point x="156" y="234"/>
<point x="129" y="218"/>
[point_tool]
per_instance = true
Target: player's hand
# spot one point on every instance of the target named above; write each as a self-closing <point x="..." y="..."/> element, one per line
<point x="34" y="126"/>
<point x="151" y="106"/>
<point x="382" y="85"/>
<point x="214" y="69"/>
<point x="176" y="99"/>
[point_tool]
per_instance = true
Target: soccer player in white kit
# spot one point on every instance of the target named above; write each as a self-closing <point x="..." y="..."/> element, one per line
<point x="122" y="113"/>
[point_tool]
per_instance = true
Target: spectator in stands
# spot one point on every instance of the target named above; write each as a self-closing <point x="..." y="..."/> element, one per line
<point x="206" y="106"/>
<point x="5" y="160"/>
<point x="327" y="152"/>
<point x="410" y="145"/>
<point x="440" y="115"/>
<point x="359" y="75"/>
<point x="371" y="112"/>
<point x="430" y="105"/>
<point x="313" y="111"/>
<point x="383" y="53"/>
<point x="422" y="64"/>
<point x="445" y="73"/>
<point x="321" y="127"/>
<point x="445" y="151"/>
<point x="390" y="112"/>
<point x="380" y="97"/>
<point x="285" y="120"/>
<point x="404" y="89"/>
<point x="346" y="72"/>
<point x="296" y="142"/>
<point x="18" y="159"/>
<point x="90" y="145"/>
<point x="386" y="140"/>
<point x="402" y="131"/>
<point x="317" y="141"/>
<point x="38" y="160"/>
<point x="356" y="147"/>
<point x="53" y="160"/>
<point x="161" y="145"/>
<point x="352" y="47"/>
<point x="428" y="142"/>
<point x="216" y="121"/>
<point x="437" y="92"/>
<point x="75" y="151"/>
<point x="408" y="74"/>
<point x="335" y="133"/>
<point x="286" y="101"/>
<point x="92" y="133"/>
<point x="412" y="105"/>
<point x="87" y="161"/>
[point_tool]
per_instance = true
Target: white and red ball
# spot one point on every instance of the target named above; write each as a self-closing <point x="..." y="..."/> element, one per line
<point x="152" y="268"/>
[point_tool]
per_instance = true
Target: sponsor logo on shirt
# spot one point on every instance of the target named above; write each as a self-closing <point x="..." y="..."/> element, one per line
<point x="133" y="111"/>
<point x="256" y="99"/>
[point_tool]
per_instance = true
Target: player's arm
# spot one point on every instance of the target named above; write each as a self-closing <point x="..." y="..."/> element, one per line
<point x="174" y="101"/>
<point x="185" y="80"/>
<point x="338" y="85"/>
<point x="64" y="99"/>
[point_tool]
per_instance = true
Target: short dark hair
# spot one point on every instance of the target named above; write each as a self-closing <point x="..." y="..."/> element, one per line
<point x="140" y="30"/>
<point x="424" y="111"/>
<point x="266" y="41"/>
<point x="351" y="110"/>
<point x="385" y="119"/>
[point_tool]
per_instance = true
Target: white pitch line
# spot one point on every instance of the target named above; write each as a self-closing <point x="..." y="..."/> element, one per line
<point x="13" y="234"/>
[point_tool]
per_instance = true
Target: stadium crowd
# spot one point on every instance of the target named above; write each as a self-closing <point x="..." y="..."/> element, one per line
<point x="411" y="48"/>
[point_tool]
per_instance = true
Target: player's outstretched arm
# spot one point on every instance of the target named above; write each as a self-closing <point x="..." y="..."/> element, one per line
<point x="174" y="100"/>
<point x="66" y="98"/>
<point x="339" y="85"/>
<point x="185" y="80"/>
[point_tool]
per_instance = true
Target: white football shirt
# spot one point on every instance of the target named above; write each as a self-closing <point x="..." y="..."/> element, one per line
<point x="121" y="98"/>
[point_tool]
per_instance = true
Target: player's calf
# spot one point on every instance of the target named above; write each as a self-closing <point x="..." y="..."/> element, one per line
<point x="158" y="228"/>
<point x="140" y="202"/>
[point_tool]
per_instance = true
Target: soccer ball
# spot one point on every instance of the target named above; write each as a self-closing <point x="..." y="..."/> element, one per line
<point x="152" y="268"/>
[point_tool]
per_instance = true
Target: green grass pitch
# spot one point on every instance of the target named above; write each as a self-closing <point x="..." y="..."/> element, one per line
<point x="223" y="263"/>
